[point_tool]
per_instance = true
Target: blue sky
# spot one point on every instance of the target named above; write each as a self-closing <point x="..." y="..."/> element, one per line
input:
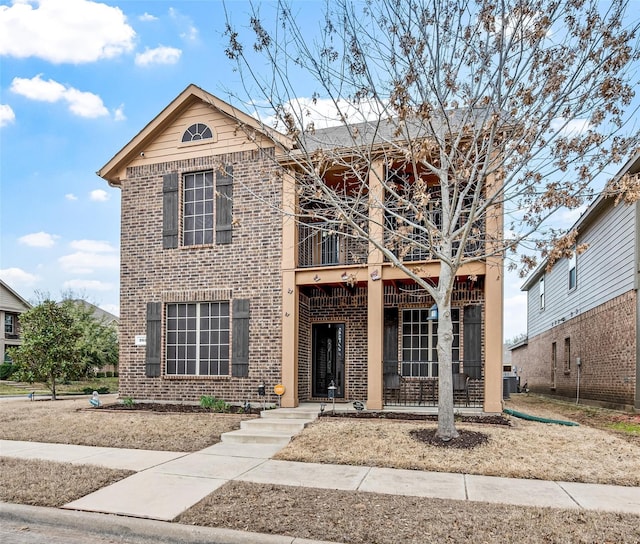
<point x="78" y="80"/>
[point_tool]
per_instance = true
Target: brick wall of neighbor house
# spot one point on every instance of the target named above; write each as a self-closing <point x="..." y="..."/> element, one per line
<point x="605" y="340"/>
<point x="248" y="268"/>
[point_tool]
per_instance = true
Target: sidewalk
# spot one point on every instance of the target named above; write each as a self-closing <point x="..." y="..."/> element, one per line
<point x="168" y="483"/>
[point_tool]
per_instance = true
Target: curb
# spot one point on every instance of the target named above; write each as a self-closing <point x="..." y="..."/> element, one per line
<point x="144" y="530"/>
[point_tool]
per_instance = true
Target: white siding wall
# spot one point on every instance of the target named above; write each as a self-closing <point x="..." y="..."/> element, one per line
<point x="604" y="271"/>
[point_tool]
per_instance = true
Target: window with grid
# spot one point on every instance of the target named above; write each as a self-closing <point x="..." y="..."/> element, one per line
<point x="197" y="131"/>
<point x="197" y="339"/>
<point x="198" y="208"/>
<point x="9" y="324"/>
<point x="572" y="271"/>
<point x="420" y="342"/>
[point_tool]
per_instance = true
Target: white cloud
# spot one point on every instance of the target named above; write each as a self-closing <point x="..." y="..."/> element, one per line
<point x="73" y="31"/>
<point x="145" y="17"/>
<point x="325" y="113"/>
<point x="83" y="104"/>
<point x="159" y="55"/>
<point x="92" y="246"/>
<point x="99" y="195"/>
<point x="188" y="31"/>
<point x="7" y="116"/>
<point x="39" y="239"/>
<point x="570" y="128"/>
<point x="84" y="262"/>
<point x="71" y="196"/>
<point x="118" y="113"/>
<point x="17" y="276"/>
<point x="89" y="285"/>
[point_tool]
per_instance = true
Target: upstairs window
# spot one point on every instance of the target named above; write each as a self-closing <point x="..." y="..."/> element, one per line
<point x="573" y="278"/>
<point x="197" y="131"/>
<point x="541" y="290"/>
<point x="206" y="214"/>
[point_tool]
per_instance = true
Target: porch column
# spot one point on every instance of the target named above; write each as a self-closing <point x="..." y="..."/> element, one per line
<point x="493" y="295"/>
<point x="290" y="295"/>
<point x="289" y="339"/>
<point x="375" y="289"/>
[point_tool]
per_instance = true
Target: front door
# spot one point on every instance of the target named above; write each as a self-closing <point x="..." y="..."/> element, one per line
<point x="328" y="358"/>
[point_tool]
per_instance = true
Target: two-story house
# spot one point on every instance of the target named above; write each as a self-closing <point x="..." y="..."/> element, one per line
<point x="582" y="314"/>
<point x="11" y="306"/>
<point x="222" y="292"/>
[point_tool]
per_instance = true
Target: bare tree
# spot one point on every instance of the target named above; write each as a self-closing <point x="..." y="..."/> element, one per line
<point x="488" y="117"/>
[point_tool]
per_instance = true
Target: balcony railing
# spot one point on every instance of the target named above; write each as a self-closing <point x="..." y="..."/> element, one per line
<point x="319" y="244"/>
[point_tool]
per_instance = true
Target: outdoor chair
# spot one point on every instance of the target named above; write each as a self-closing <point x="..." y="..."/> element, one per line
<point x="461" y="385"/>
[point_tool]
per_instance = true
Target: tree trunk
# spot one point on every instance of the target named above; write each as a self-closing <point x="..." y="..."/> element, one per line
<point x="53" y="387"/>
<point x="446" y="424"/>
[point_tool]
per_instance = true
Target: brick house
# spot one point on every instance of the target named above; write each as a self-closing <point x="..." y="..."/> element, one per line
<point x="582" y="315"/>
<point x="11" y="306"/>
<point x="222" y="292"/>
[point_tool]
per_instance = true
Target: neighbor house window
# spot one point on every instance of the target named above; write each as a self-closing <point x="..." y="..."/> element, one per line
<point x="420" y="342"/>
<point x="9" y="324"/>
<point x="541" y="291"/>
<point x="567" y="355"/>
<point x="197" y="342"/>
<point x="572" y="271"/>
<point x="197" y="131"/>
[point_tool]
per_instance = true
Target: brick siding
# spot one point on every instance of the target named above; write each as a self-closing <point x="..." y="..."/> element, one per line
<point x="248" y="268"/>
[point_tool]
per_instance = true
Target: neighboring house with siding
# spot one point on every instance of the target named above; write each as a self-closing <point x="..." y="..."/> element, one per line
<point x="585" y="309"/>
<point x="11" y="306"/>
<point x="221" y="292"/>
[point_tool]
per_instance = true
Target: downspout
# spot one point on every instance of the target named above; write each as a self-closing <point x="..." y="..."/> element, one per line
<point x="636" y="261"/>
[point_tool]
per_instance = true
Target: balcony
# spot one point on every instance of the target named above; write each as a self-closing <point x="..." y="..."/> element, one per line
<point x="319" y="244"/>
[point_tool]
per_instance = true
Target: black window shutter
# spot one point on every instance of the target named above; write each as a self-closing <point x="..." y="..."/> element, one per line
<point x="240" y="340"/>
<point x="472" y="323"/>
<point x="390" y="341"/>
<point x="224" y="205"/>
<point x="154" y="340"/>
<point x="170" y="211"/>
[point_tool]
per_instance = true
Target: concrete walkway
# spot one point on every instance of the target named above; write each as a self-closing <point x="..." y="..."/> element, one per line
<point x="168" y="483"/>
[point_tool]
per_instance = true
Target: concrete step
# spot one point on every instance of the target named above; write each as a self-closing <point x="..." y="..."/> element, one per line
<point x="250" y="436"/>
<point x="291" y="426"/>
<point x="289" y="413"/>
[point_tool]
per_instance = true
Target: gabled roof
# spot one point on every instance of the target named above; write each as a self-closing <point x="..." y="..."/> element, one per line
<point x="185" y="99"/>
<point x="632" y="166"/>
<point x="10" y="293"/>
<point x="98" y="313"/>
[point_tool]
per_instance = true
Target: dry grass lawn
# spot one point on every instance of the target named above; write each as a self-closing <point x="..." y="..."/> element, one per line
<point x="72" y="421"/>
<point x="371" y="518"/>
<point x="43" y="483"/>
<point x="525" y="450"/>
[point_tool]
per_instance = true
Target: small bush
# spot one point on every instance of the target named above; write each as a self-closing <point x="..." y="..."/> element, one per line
<point x="215" y="405"/>
<point x="100" y="390"/>
<point x="128" y="402"/>
<point x="108" y="374"/>
<point x="6" y="369"/>
<point x="100" y="375"/>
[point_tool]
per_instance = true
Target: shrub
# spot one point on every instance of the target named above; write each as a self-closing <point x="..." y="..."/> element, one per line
<point x="100" y="375"/>
<point x="6" y="369"/>
<point x="100" y="390"/>
<point x="128" y="402"/>
<point x="108" y="374"/>
<point x="214" y="404"/>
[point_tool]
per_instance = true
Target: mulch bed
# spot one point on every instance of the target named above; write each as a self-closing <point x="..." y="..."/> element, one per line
<point x="496" y="419"/>
<point x="465" y="439"/>
<point x="172" y="408"/>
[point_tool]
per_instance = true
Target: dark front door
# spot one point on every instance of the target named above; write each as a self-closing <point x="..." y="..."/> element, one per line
<point x="328" y="358"/>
